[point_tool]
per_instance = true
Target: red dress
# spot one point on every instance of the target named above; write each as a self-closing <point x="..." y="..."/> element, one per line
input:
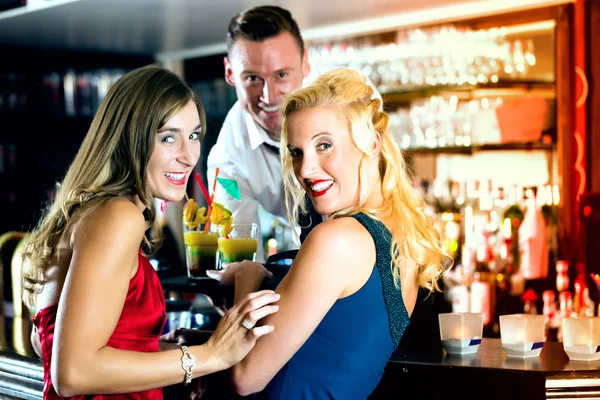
<point x="139" y="328"/>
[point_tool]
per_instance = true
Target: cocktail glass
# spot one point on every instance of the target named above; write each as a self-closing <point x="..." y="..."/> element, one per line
<point x="238" y="245"/>
<point x="200" y="250"/>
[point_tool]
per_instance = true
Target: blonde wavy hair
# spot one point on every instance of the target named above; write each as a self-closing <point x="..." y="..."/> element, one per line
<point x="414" y="237"/>
<point x="111" y="162"/>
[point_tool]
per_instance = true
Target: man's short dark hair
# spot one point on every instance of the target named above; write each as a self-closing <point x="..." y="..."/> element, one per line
<point x="260" y="23"/>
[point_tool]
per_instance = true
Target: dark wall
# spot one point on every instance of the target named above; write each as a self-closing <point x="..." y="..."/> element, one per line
<point x="41" y="131"/>
<point x="206" y="76"/>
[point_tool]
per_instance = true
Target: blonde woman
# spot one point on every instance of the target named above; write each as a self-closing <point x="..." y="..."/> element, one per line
<point x="100" y="305"/>
<point x="349" y="294"/>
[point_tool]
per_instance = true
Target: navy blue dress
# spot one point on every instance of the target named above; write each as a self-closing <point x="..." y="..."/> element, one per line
<point x="346" y="355"/>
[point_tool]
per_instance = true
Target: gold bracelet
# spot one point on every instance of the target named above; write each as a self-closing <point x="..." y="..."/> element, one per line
<point x="188" y="363"/>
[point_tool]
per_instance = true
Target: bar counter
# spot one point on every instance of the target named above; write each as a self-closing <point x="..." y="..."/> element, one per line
<point x="428" y="373"/>
<point x="489" y="374"/>
<point x="21" y="377"/>
<point x="21" y="370"/>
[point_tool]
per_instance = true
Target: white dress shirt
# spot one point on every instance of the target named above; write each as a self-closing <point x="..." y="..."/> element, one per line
<point x="240" y="154"/>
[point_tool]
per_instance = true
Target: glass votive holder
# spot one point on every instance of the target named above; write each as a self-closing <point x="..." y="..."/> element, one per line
<point x="522" y="335"/>
<point x="581" y="338"/>
<point x="461" y="332"/>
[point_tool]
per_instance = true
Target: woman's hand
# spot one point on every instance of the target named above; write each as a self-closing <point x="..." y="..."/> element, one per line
<point x="228" y="274"/>
<point x="236" y="333"/>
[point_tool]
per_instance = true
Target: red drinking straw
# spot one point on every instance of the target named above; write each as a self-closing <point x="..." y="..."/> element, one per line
<point x="203" y="188"/>
<point x="207" y="224"/>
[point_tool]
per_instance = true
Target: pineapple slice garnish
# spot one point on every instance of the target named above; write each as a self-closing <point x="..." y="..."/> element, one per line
<point x="200" y="216"/>
<point x="192" y="215"/>
<point x="226" y="226"/>
<point x="189" y="210"/>
<point x="221" y="217"/>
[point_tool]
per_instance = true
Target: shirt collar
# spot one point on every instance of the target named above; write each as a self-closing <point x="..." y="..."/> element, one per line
<point x="257" y="134"/>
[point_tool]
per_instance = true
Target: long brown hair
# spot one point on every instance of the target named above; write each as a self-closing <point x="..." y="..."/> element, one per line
<point x="413" y="235"/>
<point x="111" y="162"/>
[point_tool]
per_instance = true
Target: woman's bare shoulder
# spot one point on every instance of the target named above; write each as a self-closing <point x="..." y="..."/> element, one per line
<point x="342" y="230"/>
<point x="342" y="239"/>
<point x="121" y="209"/>
<point x="119" y="217"/>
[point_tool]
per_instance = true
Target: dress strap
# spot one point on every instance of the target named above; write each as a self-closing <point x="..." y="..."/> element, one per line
<point x="392" y="295"/>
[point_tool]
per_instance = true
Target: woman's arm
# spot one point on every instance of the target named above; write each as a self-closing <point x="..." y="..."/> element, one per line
<point x="246" y="276"/>
<point x="336" y="259"/>
<point x="35" y="342"/>
<point x="104" y="259"/>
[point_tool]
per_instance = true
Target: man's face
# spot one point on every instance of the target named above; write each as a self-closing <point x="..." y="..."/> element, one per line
<point x="262" y="73"/>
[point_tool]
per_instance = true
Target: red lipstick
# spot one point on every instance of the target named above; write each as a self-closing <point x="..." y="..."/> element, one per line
<point x="320" y="192"/>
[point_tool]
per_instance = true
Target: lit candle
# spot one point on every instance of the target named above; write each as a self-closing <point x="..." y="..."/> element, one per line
<point x="459" y="334"/>
<point x="520" y="336"/>
<point x="581" y="341"/>
<point x="583" y="338"/>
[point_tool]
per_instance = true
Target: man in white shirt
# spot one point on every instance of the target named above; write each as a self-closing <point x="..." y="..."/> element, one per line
<point x="265" y="60"/>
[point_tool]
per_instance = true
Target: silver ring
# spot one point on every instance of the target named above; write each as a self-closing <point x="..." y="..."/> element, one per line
<point x="246" y="324"/>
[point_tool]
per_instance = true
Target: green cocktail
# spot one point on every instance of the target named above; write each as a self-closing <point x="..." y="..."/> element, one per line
<point x="200" y="252"/>
<point x="232" y="250"/>
<point x="239" y="244"/>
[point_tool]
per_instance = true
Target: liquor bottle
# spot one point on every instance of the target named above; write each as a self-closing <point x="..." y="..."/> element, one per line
<point x="512" y="219"/>
<point x="480" y="298"/>
<point x="578" y="300"/>
<point x="534" y="241"/>
<point x="70" y="89"/>
<point x="565" y="307"/>
<point x="565" y="310"/>
<point x="551" y="315"/>
<point x="459" y="295"/>
<point x="562" y="275"/>
<point x="588" y="304"/>
<point x="530" y="299"/>
<point x="483" y="234"/>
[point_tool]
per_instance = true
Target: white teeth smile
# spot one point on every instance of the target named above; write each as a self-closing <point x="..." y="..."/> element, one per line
<point x="176" y="177"/>
<point x="319" y="187"/>
<point x="270" y="109"/>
